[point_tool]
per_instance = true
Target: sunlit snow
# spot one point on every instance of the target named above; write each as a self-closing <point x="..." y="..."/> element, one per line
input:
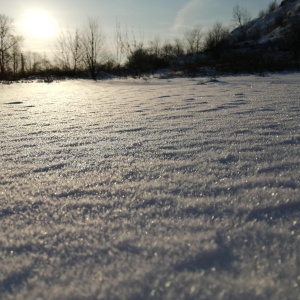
<point x="151" y="189"/>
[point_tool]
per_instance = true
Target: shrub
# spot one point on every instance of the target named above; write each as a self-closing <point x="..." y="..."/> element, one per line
<point x="142" y="61"/>
<point x="261" y="14"/>
<point x="272" y="6"/>
<point x="293" y="40"/>
<point x="255" y="34"/>
<point x="216" y="38"/>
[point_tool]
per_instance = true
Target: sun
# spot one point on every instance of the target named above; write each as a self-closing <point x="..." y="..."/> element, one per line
<point x="39" y="24"/>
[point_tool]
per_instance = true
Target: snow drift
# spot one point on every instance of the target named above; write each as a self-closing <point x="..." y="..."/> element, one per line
<point x="157" y="189"/>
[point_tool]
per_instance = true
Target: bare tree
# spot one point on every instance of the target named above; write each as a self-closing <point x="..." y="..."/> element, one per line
<point x="193" y="38"/>
<point x="167" y="51"/>
<point x="130" y="49"/>
<point x="37" y="62"/>
<point x="215" y="38"/>
<point x="7" y="42"/>
<point x="69" y="50"/>
<point x="119" y="44"/>
<point x="93" y="44"/>
<point x="33" y="62"/>
<point x="155" y="46"/>
<point x="272" y="6"/>
<point x="22" y="64"/>
<point x="129" y="43"/>
<point x="126" y="44"/>
<point x="16" y="54"/>
<point x="241" y="17"/>
<point x="46" y="64"/>
<point x="28" y="61"/>
<point x="62" y="53"/>
<point x="178" y="47"/>
<point x="76" y="50"/>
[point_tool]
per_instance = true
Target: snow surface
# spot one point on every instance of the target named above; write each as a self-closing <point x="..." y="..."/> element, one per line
<point x="151" y="189"/>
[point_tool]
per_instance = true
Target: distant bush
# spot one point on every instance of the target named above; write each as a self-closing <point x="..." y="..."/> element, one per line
<point x="262" y="14"/>
<point x="254" y="34"/>
<point x="272" y="6"/>
<point x="215" y="39"/>
<point x="141" y="61"/>
<point x="293" y="40"/>
<point x="193" y="39"/>
<point x="253" y="62"/>
<point x="279" y="21"/>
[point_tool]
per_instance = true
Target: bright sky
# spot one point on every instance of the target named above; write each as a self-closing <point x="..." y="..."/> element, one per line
<point x="39" y="21"/>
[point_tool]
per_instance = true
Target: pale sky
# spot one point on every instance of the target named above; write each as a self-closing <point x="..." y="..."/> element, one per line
<point x="156" y="18"/>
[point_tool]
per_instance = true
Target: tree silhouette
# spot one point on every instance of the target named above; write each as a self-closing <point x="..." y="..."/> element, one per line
<point x="93" y="43"/>
<point x="69" y="50"/>
<point x="193" y="38"/>
<point x="241" y="17"/>
<point x="215" y="38"/>
<point x="8" y="42"/>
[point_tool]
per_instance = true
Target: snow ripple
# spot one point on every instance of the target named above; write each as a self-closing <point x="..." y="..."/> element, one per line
<point x="165" y="189"/>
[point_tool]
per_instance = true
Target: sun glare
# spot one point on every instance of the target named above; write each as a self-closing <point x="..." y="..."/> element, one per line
<point x="38" y="23"/>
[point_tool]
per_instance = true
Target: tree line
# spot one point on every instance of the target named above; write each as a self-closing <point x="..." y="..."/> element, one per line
<point x="78" y="50"/>
<point x="14" y="63"/>
<point x="84" y="51"/>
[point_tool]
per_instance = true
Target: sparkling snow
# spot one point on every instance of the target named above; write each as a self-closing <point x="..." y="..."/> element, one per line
<point x="151" y="189"/>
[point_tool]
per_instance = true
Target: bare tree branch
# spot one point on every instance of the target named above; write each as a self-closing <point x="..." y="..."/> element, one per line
<point x="241" y="17"/>
<point x="193" y="39"/>
<point x="8" y="42"/>
<point x="93" y="44"/>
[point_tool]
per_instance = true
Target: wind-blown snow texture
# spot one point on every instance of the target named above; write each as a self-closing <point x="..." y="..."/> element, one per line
<point x="158" y="189"/>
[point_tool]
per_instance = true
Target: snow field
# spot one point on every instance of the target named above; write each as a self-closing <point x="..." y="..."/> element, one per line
<point x="159" y="189"/>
